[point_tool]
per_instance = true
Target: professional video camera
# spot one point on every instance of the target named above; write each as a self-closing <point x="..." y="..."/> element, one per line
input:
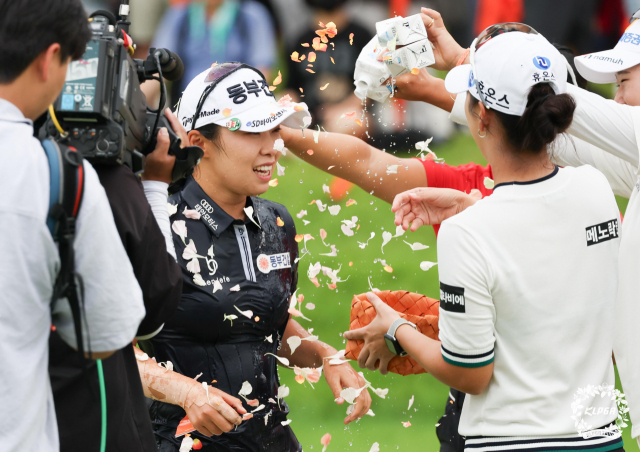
<point x="103" y="113"/>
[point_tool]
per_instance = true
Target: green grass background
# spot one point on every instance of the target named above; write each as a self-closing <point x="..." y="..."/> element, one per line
<point x="312" y="410"/>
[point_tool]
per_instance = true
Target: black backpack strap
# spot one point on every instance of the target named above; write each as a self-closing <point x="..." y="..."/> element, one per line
<point x="67" y="187"/>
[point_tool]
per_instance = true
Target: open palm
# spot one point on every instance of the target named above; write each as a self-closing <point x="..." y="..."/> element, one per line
<point x="428" y="206"/>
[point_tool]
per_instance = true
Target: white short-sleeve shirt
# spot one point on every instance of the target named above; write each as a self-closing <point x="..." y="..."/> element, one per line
<point x="29" y="263"/>
<point x="528" y="281"/>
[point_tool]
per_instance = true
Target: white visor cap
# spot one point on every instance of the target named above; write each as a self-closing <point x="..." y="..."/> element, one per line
<point x="507" y="67"/>
<point x="601" y="67"/>
<point x="240" y="101"/>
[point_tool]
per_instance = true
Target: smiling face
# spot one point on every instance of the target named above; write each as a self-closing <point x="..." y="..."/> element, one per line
<point x="628" y="82"/>
<point x="237" y="164"/>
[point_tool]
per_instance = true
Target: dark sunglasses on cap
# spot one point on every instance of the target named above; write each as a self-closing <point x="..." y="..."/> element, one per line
<point x="218" y="73"/>
<point x="492" y="32"/>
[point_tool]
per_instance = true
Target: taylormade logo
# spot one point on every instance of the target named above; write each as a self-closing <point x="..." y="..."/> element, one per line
<point x="605" y="59"/>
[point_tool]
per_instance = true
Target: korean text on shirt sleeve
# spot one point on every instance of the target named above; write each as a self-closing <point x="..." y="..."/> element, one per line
<point x="467" y="313"/>
<point x="112" y="297"/>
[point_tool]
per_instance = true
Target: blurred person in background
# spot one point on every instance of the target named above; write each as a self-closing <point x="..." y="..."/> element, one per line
<point x="333" y="66"/>
<point x="203" y="32"/>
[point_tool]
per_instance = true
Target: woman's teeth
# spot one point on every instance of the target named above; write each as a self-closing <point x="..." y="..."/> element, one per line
<point x="263" y="170"/>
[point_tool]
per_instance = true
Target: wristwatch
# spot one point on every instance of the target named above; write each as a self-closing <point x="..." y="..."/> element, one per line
<point x="390" y="337"/>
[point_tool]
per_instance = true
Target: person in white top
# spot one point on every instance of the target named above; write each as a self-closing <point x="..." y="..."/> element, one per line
<point x="528" y="275"/>
<point x="31" y="77"/>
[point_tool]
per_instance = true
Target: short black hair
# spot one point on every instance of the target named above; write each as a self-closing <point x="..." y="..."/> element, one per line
<point x="28" y="27"/>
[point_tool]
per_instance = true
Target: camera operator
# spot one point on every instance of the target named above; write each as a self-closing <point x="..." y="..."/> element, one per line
<point x="77" y="404"/>
<point x="38" y="39"/>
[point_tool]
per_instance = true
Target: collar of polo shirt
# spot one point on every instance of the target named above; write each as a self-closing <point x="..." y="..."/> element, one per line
<point x="240" y="101"/>
<point x="507" y="66"/>
<point x="213" y="216"/>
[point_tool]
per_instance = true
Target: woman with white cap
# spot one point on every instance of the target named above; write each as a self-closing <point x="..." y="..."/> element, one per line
<point x="527" y="275"/>
<point x="239" y="256"/>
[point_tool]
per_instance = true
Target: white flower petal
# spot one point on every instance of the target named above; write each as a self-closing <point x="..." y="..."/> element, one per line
<point x="235" y="288"/>
<point x="197" y="279"/>
<point x="294" y="342"/>
<point x="392" y="169"/>
<point x="325" y="188"/>
<point x="280" y="169"/>
<point x="278" y="145"/>
<point x="283" y="391"/>
<point x="287" y="422"/>
<point x="375" y="448"/>
<point x="301" y="214"/>
<point x="410" y="402"/>
<point x="334" y="210"/>
<point x="143" y="357"/>
<point x="193" y="266"/>
<point x="426" y="265"/>
<point x="187" y="444"/>
<point x="346" y="230"/>
<point x="489" y="183"/>
<point x="310" y="306"/>
<point x="269" y="338"/>
<point x="386" y="237"/>
<point x="172" y="209"/>
<point x="399" y="231"/>
<point x="249" y="212"/>
<point x="191" y="214"/>
<point x="216" y="286"/>
<point x="180" y="228"/>
<point x="246" y="389"/>
<point x="416" y="246"/>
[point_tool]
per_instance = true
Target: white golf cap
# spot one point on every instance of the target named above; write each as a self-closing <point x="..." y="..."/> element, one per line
<point x="601" y="67"/>
<point x="507" y="66"/>
<point x="239" y="101"/>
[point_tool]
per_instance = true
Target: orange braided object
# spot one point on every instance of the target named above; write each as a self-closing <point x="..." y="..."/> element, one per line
<point x="416" y="308"/>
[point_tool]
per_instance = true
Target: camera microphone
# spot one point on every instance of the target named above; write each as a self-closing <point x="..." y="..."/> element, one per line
<point x="171" y="64"/>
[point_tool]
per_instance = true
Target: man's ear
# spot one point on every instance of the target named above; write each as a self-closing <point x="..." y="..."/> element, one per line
<point x="44" y="62"/>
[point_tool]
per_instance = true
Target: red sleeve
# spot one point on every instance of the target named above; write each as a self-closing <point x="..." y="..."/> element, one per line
<point x="464" y="178"/>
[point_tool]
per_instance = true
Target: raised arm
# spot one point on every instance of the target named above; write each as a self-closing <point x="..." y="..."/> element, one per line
<point x="352" y="159"/>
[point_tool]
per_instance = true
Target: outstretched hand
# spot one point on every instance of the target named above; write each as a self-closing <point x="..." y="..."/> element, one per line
<point x="429" y="206"/>
<point x="447" y="51"/>
<point x="344" y="376"/>
<point x="375" y="354"/>
<point x="213" y="413"/>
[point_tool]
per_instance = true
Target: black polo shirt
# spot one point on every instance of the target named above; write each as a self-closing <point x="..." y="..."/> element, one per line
<point x="230" y="267"/>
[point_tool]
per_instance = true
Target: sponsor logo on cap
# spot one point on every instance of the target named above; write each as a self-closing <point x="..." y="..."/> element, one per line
<point x="233" y="124"/>
<point x="472" y="79"/>
<point x="203" y="114"/>
<point x="261" y="122"/>
<point x="606" y="59"/>
<point x="541" y="63"/>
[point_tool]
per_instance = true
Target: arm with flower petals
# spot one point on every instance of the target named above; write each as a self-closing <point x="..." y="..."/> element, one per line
<point x="308" y="359"/>
<point x="352" y="159"/>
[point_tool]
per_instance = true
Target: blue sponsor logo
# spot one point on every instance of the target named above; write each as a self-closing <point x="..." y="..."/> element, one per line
<point x="541" y="63"/>
<point x="472" y="80"/>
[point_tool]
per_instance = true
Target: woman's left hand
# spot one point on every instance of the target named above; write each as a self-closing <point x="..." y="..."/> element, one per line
<point x="344" y="376"/>
<point x="375" y="348"/>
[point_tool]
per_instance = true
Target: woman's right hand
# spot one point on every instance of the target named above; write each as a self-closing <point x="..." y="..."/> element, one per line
<point x="429" y="206"/>
<point x="447" y="51"/>
<point x="222" y="414"/>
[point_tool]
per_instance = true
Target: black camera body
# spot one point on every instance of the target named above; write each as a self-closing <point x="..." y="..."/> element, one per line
<point x="102" y="109"/>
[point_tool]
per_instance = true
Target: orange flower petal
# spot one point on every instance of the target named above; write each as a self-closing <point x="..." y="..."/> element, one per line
<point x="312" y="57"/>
<point x="415" y="71"/>
<point x="303" y="57"/>
<point x="257" y="319"/>
<point x="226" y="112"/>
<point x="278" y="79"/>
<point x="350" y="264"/>
<point x="351" y="202"/>
<point x="306" y="44"/>
<point x="279" y="222"/>
<point x="299" y="238"/>
<point x="298" y="107"/>
<point x="359" y="122"/>
<point x="350" y="38"/>
<point x="322" y="88"/>
<point x="310" y="151"/>
<point x="301" y="90"/>
<point x="300" y="379"/>
<point x="312" y="202"/>
<point x="388" y="269"/>
<point x="332" y="58"/>
<point x="294" y="57"/>
<point x="272" y="88"/>
<point x="309" y="70"/>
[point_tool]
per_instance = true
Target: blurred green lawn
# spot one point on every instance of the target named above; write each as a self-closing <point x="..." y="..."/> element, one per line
<point x="312" y="410"/>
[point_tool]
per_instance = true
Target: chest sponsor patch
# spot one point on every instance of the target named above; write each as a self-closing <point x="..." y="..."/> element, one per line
<point x="267" y="263"/>
<point x="602" y="232"/>
<point x="451" y="298"/>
